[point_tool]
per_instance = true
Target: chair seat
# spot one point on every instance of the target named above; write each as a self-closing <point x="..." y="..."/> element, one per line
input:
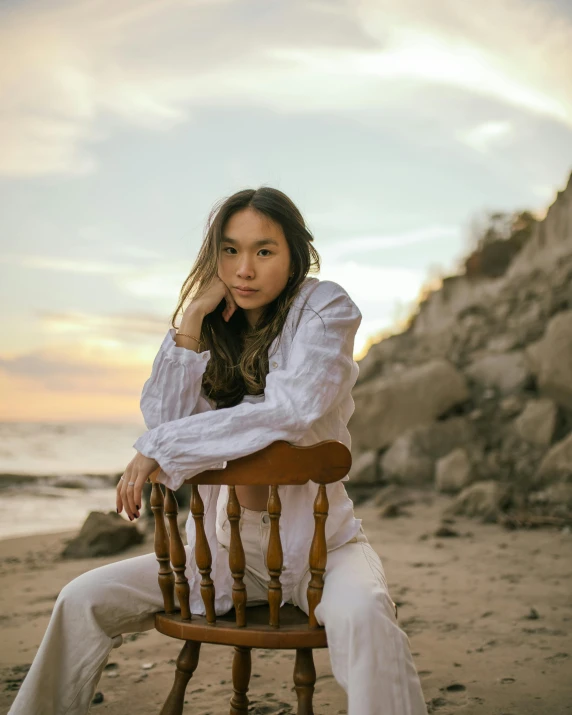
<point x="293" y="632"/>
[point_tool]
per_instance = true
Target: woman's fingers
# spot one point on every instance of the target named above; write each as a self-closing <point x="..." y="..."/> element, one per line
<point x="124" y="493"/>
<point x="137" y="492"/>
<point x="121" y="491"/>
<point x="133" y="511"/>
<point x="230" y="306"/>
<point x="118" y="499"/>
<point x="130" y="487"/>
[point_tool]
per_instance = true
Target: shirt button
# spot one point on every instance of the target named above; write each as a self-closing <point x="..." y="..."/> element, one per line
<point x="274" y="364"/>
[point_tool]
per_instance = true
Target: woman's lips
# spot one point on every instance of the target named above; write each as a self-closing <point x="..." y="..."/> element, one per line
<point x="245" y="293"/>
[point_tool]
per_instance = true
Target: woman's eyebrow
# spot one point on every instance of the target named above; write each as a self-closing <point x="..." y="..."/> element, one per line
<point x="260" y="242"/>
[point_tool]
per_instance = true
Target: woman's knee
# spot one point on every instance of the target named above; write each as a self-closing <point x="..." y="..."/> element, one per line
<point x="357" y="607"/>
<point x="84" y="590"/>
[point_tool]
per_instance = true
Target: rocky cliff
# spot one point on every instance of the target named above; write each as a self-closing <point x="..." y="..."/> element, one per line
<point x="475" y="397"/>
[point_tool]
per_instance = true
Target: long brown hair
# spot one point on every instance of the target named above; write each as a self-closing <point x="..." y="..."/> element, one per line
<point x="238" y="363"/>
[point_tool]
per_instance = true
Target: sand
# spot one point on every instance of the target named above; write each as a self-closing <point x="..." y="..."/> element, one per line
<point x="488" y="613"/>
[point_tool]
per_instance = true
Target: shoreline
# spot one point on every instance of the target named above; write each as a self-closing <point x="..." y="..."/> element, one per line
<point x="47" y="508"/>
<point x="20" y="539"/>
<point x="21" y="478"/>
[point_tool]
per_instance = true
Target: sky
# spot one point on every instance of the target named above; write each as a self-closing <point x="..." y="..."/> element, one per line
<point x="390" y="123"/>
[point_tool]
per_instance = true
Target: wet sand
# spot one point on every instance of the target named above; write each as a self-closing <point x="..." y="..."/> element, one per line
<point x="488" y="613"/>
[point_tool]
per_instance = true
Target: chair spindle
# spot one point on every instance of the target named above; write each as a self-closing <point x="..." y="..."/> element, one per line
<point x="203" y="554"/>
<point x="178" y="555"/>
<point x="275" y="558"/>
<point x="236" y="558"/>
<point x="161" y="543"/>
<point x="318" y="555"/>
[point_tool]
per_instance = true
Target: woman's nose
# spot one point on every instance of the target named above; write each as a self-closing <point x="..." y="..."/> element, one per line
<point x="245" y="269"/>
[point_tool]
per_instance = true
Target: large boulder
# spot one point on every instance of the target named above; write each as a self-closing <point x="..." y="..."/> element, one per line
<point x="537" y="422"/>
<point x="551" y="359"/>
<point x="453" y="472"/>
<point x="364" y="476"/>
<point x="556" y="465"/>
<point x="411" y="458"/>
<point x="102" y="535"/>
<point x="505" y="373"/>
<point x="364" y="468"/>
<point x="556" y="497"/>
<point x="483" y="500"/>
<point x="386" y="407"/>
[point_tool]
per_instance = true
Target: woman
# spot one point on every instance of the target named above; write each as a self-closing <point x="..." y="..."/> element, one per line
<point x="264" y="352"/>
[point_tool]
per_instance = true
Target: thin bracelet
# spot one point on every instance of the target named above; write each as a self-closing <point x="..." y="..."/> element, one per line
<point x="185" y="335"/>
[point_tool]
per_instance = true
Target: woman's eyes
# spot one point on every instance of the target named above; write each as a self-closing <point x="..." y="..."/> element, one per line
<point x="230" y="248"/>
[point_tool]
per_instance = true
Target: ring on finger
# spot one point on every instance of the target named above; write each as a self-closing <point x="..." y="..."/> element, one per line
<point x="130" y="484"/>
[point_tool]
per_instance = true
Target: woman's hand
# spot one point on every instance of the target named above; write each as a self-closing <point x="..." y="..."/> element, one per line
<point x="130" y="485"/>
<point x="211" y="295"/>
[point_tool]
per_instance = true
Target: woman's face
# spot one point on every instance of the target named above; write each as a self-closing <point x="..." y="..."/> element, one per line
<point x="254" y="254"/>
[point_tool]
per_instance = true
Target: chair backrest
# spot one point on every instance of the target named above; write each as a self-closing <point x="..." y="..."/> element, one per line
<point x="278" y="464"/>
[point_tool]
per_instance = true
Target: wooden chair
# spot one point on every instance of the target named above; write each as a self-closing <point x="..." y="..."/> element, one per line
<point x="267" y="626"/>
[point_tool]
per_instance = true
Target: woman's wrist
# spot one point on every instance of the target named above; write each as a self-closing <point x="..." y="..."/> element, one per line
<point x="194" y="311"/>
<point x="189" y="331"/>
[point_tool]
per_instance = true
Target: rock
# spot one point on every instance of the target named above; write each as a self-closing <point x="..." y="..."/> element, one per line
<point x="391" y="511"/>
<point x="392" y="499"/>
<point x="411" y="458"/>
<point x="502" y="343"/>
<point x="102" y="535"/>
<point x="393" y="494"/>
<point x="506" y="373"/>
<point x="551" y="359"/>
<point x="402" y="464"/>
<point x="512" y="405"/>
<point x="364" y="477"/>
<point x="364" y="468"/>
<point x="481" y="499"/>
<point x="536" y="424"/>
<point x="557" y="464"/>
<point x="445" y="532"/>
<point x="517" y="460"/>
<point x="386" y="407"/>
<point x="453" y="472"/>
<point x="558" y="496"/>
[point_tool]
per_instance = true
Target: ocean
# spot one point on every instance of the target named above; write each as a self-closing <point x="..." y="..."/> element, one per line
<point x="53" y="474"/>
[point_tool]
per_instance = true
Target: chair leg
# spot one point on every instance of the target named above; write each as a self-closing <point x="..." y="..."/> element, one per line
<point x="304" y="680"/>
<point x="186" y="664"/>
<point x="241" y="669"/>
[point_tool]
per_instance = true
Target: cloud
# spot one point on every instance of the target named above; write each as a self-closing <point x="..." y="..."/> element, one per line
<point x="518" y="51"/>
<point x="78" y="69"/>
<point x="55" y="371"/>
<point x="355" y="245"/>
<point x="484" y="135"/>
<point x="67" y="265"/>
<point x="118" y="329"/>
<point x="374" y="284"/>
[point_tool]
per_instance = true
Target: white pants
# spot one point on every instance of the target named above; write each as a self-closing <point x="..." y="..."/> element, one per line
<point x="369" y="653"/>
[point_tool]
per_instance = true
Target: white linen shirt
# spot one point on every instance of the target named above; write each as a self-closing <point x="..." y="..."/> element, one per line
<point x="307" y="399"/>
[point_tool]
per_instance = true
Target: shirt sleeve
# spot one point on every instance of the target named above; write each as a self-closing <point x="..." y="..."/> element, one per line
<point x="174" y="388"/>
<point x="316" y="379"/>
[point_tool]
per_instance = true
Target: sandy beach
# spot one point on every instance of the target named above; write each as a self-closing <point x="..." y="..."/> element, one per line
<point x="488" y="613"/>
